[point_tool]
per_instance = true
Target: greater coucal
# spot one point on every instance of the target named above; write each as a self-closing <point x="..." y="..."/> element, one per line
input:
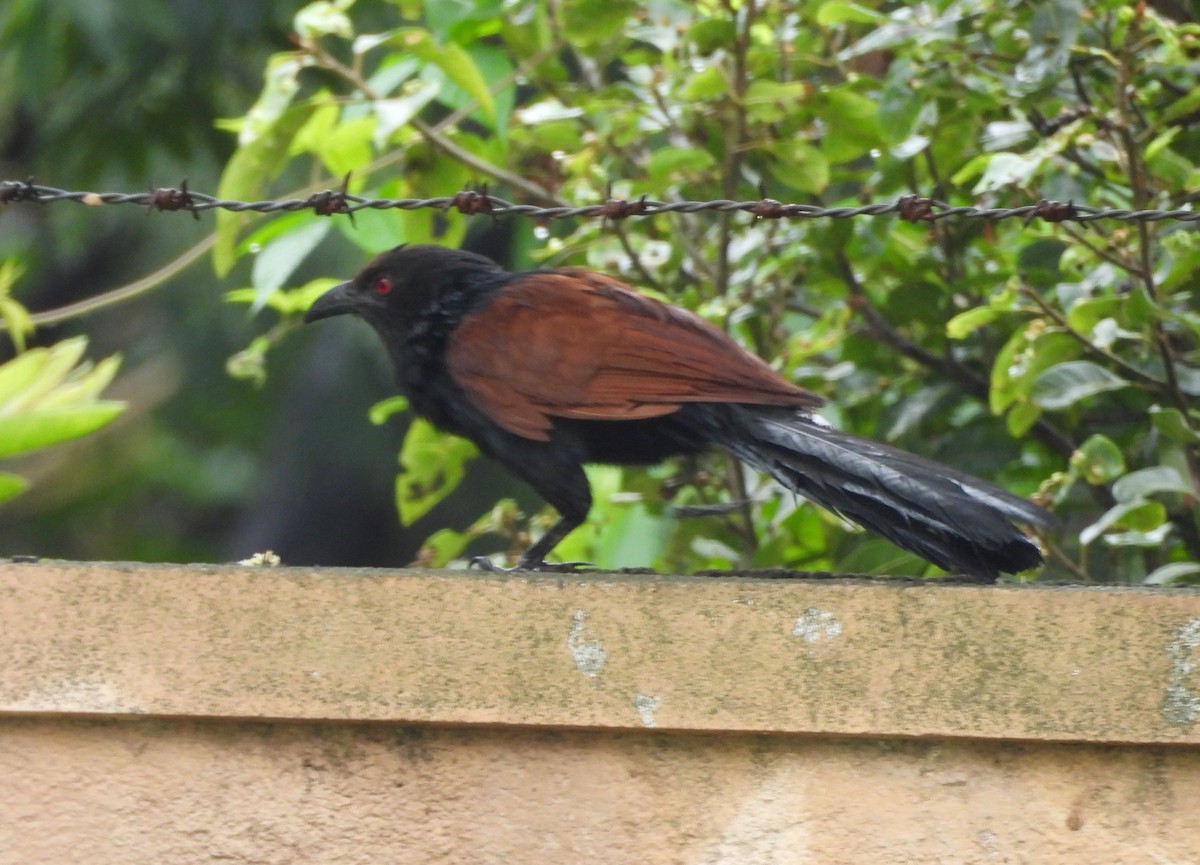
<point x="551" y="369"/>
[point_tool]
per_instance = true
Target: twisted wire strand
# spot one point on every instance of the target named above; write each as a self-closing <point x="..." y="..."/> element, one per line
<point x="330" y="202"/>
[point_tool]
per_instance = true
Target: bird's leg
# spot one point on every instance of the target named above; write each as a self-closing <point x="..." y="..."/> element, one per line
<point x="534" y="559"/>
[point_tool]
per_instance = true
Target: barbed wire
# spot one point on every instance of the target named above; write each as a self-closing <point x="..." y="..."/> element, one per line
<point x="913" y="208"/>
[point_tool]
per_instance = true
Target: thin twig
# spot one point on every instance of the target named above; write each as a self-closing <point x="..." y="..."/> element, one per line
<point x="125" y="292"/>
<point x="731" y="168"/>
<point x="1061" y="322"/>
<point x="1063" y="559"/>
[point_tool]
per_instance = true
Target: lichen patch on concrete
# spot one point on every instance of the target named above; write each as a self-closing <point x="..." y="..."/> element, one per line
<point x="94" y="696"/>
<point x="646" y="707"/>
<point x="1181" y="704"/>
<point x="589" y="656"/>
<point x="815" y="625"/>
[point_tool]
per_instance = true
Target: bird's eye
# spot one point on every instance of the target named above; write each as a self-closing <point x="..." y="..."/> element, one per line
<point x="383" y="285"/>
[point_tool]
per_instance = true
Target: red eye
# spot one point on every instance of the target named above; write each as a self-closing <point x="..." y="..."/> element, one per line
<point x="383" y="285"/>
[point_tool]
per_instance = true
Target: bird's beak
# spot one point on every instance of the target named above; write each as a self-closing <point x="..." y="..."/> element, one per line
<point x="339" y="300"/>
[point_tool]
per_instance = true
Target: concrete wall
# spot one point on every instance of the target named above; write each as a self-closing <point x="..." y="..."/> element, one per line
<point x="223" y="714"/>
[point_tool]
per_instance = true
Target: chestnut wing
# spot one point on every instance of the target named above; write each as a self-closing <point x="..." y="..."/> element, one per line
<point x="575" y="344"/>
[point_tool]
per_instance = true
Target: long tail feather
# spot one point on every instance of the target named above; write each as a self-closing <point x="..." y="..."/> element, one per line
<point x="945" y="516"/>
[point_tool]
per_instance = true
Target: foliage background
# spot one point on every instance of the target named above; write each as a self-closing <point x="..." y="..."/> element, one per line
<point x="1056" y="360"/>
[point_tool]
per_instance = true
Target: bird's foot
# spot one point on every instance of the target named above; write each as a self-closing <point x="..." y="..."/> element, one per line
<point x="486" y="564"/>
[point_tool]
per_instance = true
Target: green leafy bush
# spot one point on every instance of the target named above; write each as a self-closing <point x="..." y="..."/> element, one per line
<point x="1060" y="360"/>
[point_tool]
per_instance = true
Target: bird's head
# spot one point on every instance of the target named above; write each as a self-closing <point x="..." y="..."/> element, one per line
<point x="400" y="284"/>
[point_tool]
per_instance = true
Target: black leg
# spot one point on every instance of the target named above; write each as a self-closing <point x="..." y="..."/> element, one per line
<point x="553" y="471"/>
<point x="534" y="558"/>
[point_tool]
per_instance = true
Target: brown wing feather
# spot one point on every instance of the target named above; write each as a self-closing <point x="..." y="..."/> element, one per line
<point x="575" y="344"/>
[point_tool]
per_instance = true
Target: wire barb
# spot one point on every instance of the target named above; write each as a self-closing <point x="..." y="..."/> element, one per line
<point x="172" y="199"/>
<point x="913" y="208"/>
<point x="472" y="202"/>
<point x="328" y="203"/>
<point x="619" y="208"/>
<point x="15" y="190"/>
<point x="1053" y="211"/>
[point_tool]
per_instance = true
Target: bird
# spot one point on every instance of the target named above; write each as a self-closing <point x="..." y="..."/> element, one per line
<point x="549" y="370"/>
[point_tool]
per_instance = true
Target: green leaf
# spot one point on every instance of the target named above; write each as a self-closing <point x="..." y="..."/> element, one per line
<point x="1086" y="314"/>
<point x="1146" y="482"/>
<point x="442" y="547"/>
<point x="969" y="321"/>
<point x="1141" y="307"/>
<point x="39" y="428"/>
<point x="770" y="101"/>
<point x="248" y="171"/>
<point x="669" y="164"/>
<point x="17" y="321"/>
<point x="1068" y="383"/>
<point x="1154" y="537"/>
<point x="594" y="22"/>
<point x="1172" y="423"/>
<point x="391" y="72"/>
<point x="1098" y="460"/>
<point x="1185" y="104"/>
<point x="274" y="228"/>
<point x="1039" y="261"/>
<point x="432" y="465"/>
<point x="19" y="373"/>
<point x="1053" y="28"/>
<point x="82" y="385"/>
<point x="391" y="114"/>
<point x="972" y="168"/>
<point x="455" y="63"/>
<point x="852" y="124"/>
<point x="11" y="486"/>
<point x="1171" y="167"/>
<point x="16" y="318"/>
<point x="324" y="18"/>
<point x="313" y="132"/>
<point x="280" y="86"/>
<point x="1138" y="515"/>
<point x="1166" y="574"/>
<point x="1160" y="142"/>
<point x="801" y="166"/>
<point x="348" y="146"/>
<point x="1021" y="360"/>
<point x="874" y="555"/>
<point x="250" y="364"/>
<point x="28" y="378"/>
<point x="385" y="408"/>
<point x="280" y="258"/>
<point x="1007" y="169"/>
<point x="374" y="231"/>
<point x="1021" y="416"/>
<point x="464" y="18"/>
<point x="708" y="83"/>
<point x="836" y="12"/>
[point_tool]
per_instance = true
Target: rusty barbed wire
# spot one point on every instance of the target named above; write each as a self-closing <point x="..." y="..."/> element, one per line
<point x="914" y="208"/>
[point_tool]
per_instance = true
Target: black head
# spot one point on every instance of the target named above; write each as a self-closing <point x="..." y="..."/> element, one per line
<point x="403" y="282"/>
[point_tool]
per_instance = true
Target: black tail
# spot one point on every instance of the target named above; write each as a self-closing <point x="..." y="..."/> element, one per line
<point x="956" y="521"/>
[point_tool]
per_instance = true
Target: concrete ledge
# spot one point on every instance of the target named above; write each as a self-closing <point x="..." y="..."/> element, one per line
<point x="844" y="658"/>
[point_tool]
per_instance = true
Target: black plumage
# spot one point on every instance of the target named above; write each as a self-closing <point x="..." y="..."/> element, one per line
<point x="549" y="370"/>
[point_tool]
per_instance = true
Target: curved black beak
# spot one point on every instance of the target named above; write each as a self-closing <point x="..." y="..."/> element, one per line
<point x="339" y="300"/>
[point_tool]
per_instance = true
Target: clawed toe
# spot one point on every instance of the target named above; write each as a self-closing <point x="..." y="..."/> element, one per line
<point x="486" y="564"/>
<point x="557" y="567"/>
